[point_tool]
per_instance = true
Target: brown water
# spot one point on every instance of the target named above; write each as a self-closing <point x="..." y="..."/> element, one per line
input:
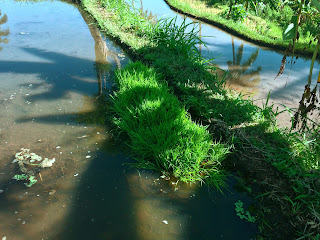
<point x="253" y="69"/>
<point x="56" y="73"/>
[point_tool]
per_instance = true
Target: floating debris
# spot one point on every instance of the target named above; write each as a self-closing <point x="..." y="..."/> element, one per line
<point x="161" y="190"/>
<point x="52" y="192"/>
<point x="47" y="162"/>
<point x="24" y="158"/>
<point x="165" y="221"/>
<point x="31" y="179"/>
<point x="165" y="177"/>
<point x="175" y="183"/>
<point x="88" y="156"/>
<point x="1" y="191"/>
<point x="84" y="136"/>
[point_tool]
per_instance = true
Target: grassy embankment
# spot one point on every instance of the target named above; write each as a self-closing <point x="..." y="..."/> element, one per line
<point x="280" y="167"/>
<point x="265" y="30"/>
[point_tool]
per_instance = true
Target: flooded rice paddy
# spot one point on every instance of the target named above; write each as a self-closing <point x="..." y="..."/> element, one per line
<point x="56" y="74"/>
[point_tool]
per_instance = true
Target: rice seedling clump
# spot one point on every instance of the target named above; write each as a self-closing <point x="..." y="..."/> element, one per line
<point x="162" y="135"/>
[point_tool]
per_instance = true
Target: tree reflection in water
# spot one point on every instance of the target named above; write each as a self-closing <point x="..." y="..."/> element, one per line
<point x="102" y="53"/>
<point x="104" y="72"/>
<point x="239" y="72"/>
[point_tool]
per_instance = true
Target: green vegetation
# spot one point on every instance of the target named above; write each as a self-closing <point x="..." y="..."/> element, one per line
<point x="163" y="136"/>
<point x="262" y="22"/>
<point x="283" y="164"/>
<point x="24" y="177"/>
<point x="242" y="213"/>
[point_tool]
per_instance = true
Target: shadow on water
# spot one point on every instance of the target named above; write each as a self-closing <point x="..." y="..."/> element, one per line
<point x="101" y="209"/>
<point x="62" y="73"/>
<point x="103" y="205"/>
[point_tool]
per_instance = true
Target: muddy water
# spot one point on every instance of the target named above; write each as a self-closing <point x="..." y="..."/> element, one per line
<point x="253" y="69"/>
<point x="56" y="73"/>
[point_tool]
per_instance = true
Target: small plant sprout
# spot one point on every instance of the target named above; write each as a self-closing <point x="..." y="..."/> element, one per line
<point x="242" y="213"/>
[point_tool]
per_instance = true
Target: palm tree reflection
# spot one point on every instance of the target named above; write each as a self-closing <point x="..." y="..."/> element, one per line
<point x="240" y="75"/>
<point x="102" y="65"/>
<point x="3" y="33"/>
<point x="96" y="113"/>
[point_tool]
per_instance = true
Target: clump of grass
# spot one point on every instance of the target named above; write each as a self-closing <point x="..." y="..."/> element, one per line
<point x="182" y="39"/>
<point x="162" y="134"/>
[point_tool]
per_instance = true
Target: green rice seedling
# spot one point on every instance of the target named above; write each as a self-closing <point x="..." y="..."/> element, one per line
<point x="181" y="38"/>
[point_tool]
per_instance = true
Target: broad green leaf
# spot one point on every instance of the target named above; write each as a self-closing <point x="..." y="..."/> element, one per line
<point x="316" y="3"/>
<point x="290" y="31"/>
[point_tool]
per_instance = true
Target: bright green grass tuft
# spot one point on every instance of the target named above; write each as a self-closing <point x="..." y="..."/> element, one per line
<point x="162" y="134"/>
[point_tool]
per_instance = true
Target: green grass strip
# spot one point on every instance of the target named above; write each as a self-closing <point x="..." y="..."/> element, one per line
<point x="163" y="136"/>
